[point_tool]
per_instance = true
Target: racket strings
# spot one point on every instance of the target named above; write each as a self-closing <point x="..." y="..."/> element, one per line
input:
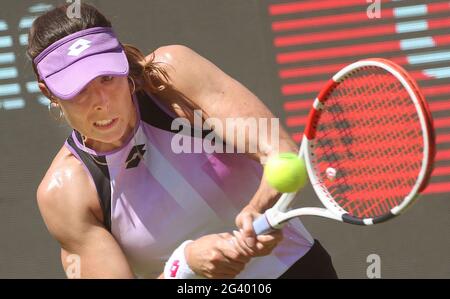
<point x="370" y="135"/>
<point x="375" y="203"/>
<point x="389" y="88"/>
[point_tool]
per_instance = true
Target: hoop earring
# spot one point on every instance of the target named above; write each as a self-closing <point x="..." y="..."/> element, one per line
<point x="51" y="107"/>
<point x="134" y="85"/>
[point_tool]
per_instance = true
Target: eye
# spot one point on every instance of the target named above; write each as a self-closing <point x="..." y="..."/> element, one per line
<point x="108" y="78"/>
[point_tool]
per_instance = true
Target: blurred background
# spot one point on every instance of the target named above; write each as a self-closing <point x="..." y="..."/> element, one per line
<point x="282" y="51"/>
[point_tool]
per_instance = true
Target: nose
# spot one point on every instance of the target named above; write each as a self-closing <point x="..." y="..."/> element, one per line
<point x="101" y="102"/>
<point x="100" y="97"/>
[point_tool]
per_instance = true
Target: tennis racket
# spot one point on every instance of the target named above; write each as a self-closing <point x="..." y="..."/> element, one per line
<point x="368" y="147"/>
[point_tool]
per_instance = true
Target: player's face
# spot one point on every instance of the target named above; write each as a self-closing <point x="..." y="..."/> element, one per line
<point x="103" y="112"/>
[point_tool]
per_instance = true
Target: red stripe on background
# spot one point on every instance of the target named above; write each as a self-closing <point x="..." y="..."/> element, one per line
<point x="442" y="170"/>
<point x="438" y="7"/>
<point x="419" y="75"/>
<point x="344" y="51"/>
<point x="338" y="52"/>
<point x="290" y="89"/>
<point x="295" y="121"/>
<point x="312" y="5"/>
<point x="438" y="23"/>
<point x="435" y="90"/>
<point x="345" y="34"/>
<point x="324" y="69"/>
<point x="442" y="138"/>
<point x="443" y="155"/>
<point x="441" y="40"/>
<point x="297" y="105"/>
<point x="442" y="122"/>
<point x="326" y="20"/>
<point x="437" y="188"/>
<point x="309" y="71"/>
<point x="439" y="106"/>
<point x="344" y="18"/>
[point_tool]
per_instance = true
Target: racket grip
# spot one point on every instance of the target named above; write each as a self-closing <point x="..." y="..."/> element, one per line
<point x="261" y="226"/>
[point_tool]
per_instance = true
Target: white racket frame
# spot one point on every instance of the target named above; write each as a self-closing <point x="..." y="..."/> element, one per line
<point x="278" y="214"/>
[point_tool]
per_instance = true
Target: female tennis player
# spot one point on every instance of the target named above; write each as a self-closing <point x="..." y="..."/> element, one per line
<point x="120" y="198"/>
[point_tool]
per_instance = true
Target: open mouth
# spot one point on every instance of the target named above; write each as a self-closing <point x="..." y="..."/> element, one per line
<point x="105" y="124"/>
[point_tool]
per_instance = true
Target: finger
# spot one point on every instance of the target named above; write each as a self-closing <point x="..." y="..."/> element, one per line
<point x="230" y="247"/>
<point x="265" y="238"/>
<point x="238" y="246"/>
<point x="263" y="249"/>
<point x="234" y="252"/>
<point x="248" y="232"/>
<point x="221" y="265"/>
<point x="227" y="266"/>
<point x="272" y="237"/>
<point x="242" y="245"/>
<point x="265" y="243"/>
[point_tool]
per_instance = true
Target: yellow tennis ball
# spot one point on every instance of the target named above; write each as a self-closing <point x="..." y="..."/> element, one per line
<point x="286" y="172"/>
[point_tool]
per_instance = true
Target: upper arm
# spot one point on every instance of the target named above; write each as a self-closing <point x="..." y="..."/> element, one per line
<point x="64" y="198"/>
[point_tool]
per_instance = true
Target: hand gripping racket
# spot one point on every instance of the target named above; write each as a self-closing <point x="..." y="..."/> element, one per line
<point x="368" y="147"/>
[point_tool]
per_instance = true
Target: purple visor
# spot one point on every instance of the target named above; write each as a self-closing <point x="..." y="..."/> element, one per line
<point x="69" y="64"/>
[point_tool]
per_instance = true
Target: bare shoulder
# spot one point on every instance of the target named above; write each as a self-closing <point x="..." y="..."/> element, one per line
<point x="183" y="62"/>
<point x="171" y="54"/>
<point x="66" y="195"/>
<point x="63" y="177"/>
<point x="189" y="72"/>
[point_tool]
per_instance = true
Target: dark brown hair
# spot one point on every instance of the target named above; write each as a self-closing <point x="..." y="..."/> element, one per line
<point x="54" y="25"/>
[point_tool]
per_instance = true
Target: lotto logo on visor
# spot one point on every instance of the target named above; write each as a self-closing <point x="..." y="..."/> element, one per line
<point x="79" y="47"/>
<point x="70" y="63"/>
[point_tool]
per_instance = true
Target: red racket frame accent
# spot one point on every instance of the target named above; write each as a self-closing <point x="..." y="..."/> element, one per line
<point x="310" y="130"/>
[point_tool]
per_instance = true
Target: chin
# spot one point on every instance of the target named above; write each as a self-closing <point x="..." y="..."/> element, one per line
<point x="116" y="136"/>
